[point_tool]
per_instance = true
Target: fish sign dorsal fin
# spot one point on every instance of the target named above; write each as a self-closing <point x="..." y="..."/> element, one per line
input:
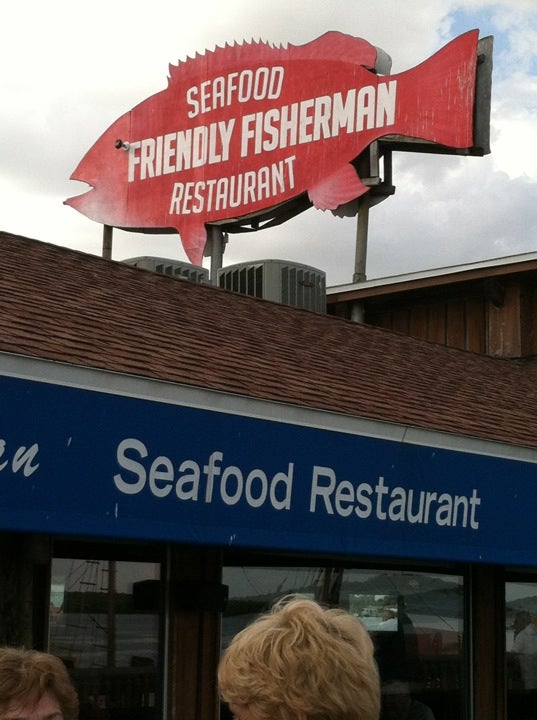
<point x="229" y="55"/>
<point x="333" y="45"/>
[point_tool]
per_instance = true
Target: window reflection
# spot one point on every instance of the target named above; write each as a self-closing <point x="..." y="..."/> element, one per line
<point x="415" y="620"/>
<point x="104" y="624"/>
<point x="521" y="648"/>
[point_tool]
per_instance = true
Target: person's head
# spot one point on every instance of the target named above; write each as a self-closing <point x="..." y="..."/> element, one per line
<point x="37" y="682"/>
<point x="301" y="662"/>
<point x="522" y="620"/>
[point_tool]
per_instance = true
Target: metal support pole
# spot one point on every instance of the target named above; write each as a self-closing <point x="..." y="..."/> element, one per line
<point x="107" y="241"/>
<point x="217" y="242"/>
<point x="357" y="312"/>
<point x="361" y="239"/>
<point x="388" y="167"/>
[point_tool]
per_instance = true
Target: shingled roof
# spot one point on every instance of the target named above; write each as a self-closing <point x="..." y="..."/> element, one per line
<point x="68" y="306"/>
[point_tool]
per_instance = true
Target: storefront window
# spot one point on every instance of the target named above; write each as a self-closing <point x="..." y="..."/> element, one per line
<point x="104" y="624"/>
<point x="416" y="620"/>
<point x="521" y="649"/>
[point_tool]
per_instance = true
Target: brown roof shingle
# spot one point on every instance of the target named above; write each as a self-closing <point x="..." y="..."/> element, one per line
<point x="68" y="306"/>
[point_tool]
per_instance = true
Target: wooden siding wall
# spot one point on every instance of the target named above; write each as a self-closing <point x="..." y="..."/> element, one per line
<point x="490" y="317"/>
<point x="456" y="322"/>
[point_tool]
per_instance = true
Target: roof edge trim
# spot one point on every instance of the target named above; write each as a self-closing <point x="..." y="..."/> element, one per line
<point x="149" y="389"/>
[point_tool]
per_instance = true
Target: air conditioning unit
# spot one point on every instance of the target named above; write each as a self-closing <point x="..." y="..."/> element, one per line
<point x="174" y="268"/>
<point x="288" y="283"/>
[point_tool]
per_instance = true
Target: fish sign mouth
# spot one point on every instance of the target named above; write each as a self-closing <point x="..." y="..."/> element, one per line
<point x="75" y="200"/>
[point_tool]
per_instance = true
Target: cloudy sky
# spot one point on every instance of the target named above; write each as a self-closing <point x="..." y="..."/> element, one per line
<point x="69" y="69"/>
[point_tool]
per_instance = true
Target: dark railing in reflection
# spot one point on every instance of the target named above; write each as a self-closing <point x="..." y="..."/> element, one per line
<point x="117" y="693"/>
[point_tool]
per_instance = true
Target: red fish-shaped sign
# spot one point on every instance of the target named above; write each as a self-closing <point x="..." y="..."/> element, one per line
<point x="251" y="127"/>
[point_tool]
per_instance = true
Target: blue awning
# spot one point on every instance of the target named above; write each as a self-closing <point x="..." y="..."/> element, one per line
<point x="78" y="460"/>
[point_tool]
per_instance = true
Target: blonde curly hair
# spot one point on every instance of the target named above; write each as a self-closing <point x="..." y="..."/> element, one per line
<point x="302" y="660"/>
<point x="26" y="675"/>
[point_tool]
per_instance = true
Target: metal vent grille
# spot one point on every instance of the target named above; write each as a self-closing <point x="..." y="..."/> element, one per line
<point x="246" y="279"/>
<point x="304" y="287"/>
<point x="173" y="268"/>
<point x="290" y="284"/>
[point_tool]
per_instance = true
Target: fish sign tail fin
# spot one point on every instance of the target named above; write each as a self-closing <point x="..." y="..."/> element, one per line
<point x="436" y="98"/>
